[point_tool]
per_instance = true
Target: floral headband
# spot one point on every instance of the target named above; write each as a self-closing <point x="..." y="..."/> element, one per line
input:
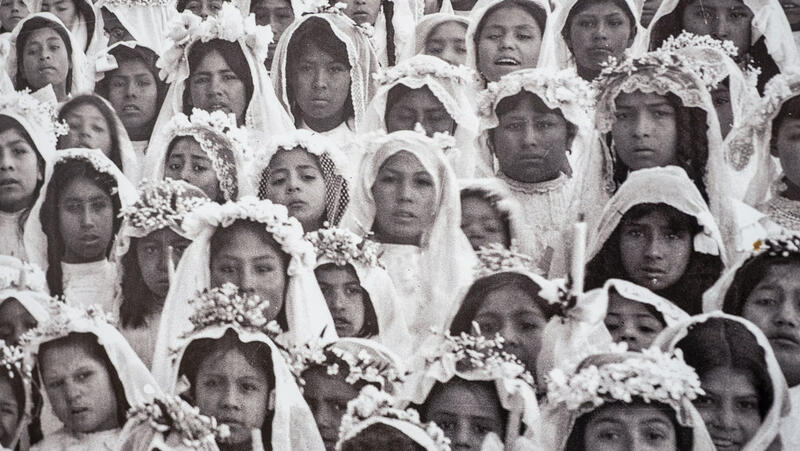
<point x="651" y="375"/>
<point x="35" y="112"/>
<point x="706" y="53"/>
<point x="778" y="90"/>
<point x="12" y="359"/>
<point x="227" y="25"/>
<point x="92" y="156"/>
<point x="426" y="66"/>
<point x="63" y="320"/>
<point x="785" y="246"/>
<point x="372" y="406"/>
<point x="344" y="247"/>
<point x="162" y="204"/>
<point x="171" y="414"/>
<point x="229" y="305"/>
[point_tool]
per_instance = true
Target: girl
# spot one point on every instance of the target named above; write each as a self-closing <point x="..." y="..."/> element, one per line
<point x="443" y="35"/>
<point x="307" y="175"/>
<point x="623" y="400"/>
<point x="278" y="14"/>
<point x="504" y="36"/>
<point x="332" y="376"/>
<point x="664" y="239"/>
<point x="489" y="214"/>
<point x="80" y="217"/>
<point x="256" y="246"/>
<point x="201" y="8"/>
<point x="393" y="22"/>
<point x="82" y="19"/>
<point x="204" y="150"/>
<point x="374" y="422"/>
<point x="333" y="46"/>
<point x="745" y="395"/>
<point x="635" y="315"/>
<point x="46" y="54"/>
<point x="585" y="34"/>
<point x="11" y="12"/>
<point x="27" y="142"/>
<point x="150" y="243"/>
<point x="406" y="194"/>
<point x="93" y="124"/>
<point x="648" y="11"/>
<point x="144" y="22"/>
<point x="23" y="298"/>
<point x="16" y="400"/>
<point x="360" y="295"/>
<point x="90" y="375"/>
<point x="230" y="369"/>
<point x="424" y="90"/>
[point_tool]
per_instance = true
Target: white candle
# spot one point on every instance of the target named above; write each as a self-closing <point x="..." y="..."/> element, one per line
<point x="170" y="265"/>
<point x="578" y="256"/>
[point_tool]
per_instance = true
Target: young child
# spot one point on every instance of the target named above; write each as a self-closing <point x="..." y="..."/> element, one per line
<point x="11" y="12"/>
<point x="307" y="174"/>
<point x="279" y="15"/>
<point x="443" y="35"/>
<point x="490" y="214"/>
<point x="393" y="23"/>
<point x="745" y="394"/>
<point x="82" y="19"/>
<point x="16" y="401"/>
<point x="150" y="243"/>
<point x="23" y="298"/>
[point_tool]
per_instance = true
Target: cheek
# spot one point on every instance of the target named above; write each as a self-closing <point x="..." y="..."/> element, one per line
<point x="631" y="252"/>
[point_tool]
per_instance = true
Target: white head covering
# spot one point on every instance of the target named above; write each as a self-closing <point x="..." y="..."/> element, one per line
<point x="500" y="199"/>
<point x="362" y="59"/>
<point x="450" y="85"/>
<point x="92" y="40"/>
<point x="403" y="22"/>
<point x="671" y="313"/>
<point x="146" y="20"/>
<point x="27" y="284"/>
<point x="447" y="258"/>
<point x="669" y="340"/>
<point x="306" y="311"/>
<point x="17" y="366"/>
<point x="428" y="23"/>
<point x="82" y="68"/>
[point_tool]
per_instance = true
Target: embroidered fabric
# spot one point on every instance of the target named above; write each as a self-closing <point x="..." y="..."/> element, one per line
<point x="783" y="212"/>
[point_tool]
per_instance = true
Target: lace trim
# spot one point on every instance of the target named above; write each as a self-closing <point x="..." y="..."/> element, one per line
<point x="784" y="212"/>
<point x="534" y="188"/>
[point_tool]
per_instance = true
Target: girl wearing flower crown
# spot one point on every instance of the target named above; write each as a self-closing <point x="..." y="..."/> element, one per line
<point x="149" y="245"/>
<point x="492" y="23"/>
<point x="79" y="214"/>
<point x="23" y="298"/>
<point x="657" y="232"/>
<point x="16" y="400"/>
<point x="443" y="35"/>
<point x="425" y="90"/>
<point x="82" y="19"/>
<point x="745" y="393"/>
<point x="406" y="194"/>
<point x="393" y="24"/>
<point x="489" y="214"/>
<point x="306" y="174"/>
<point x="90" y="375"/>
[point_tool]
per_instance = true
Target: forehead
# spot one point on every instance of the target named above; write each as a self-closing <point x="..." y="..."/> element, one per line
<point x="187" y="145"/>
<point x="403" y="161"/>
<point x="528" y="104"/>
<point x="66" y="356"/>
<point x="293" y="158"/>
<point x="43" y="34"/>
<point x="621" y="305"/>
<point x="639" y="99"/>
<point x="717" y="4"/>
<point x="247" y="242"/>
<point x="509" y="301"/>
<point x="321" y="385"/>
<point x="627" y="415"/>
<point x="509" y="17"/>
<point x="336" y="274"/>
<point x="131" y="66"/>
<point x="601" y="8"/>
<point x="448" y="30"/>
<point x="727" y="380"/>
<point x="82" y="188"/>
<point x="213" y="61"/>
<point x="272" y="4"/>
<point x="422" y="97"/>
<point x="312" y="53"/>
<point x="11" y="135"/>
<point x="474" y="205"/>
<point x="784" y="274"/>
<point x="465" y="399"/>
<point x="231" y="362"/>
<point x="86" y="110"/>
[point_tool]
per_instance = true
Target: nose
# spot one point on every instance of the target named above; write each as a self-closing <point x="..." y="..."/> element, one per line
<point x="404" y="191"/>
<point x="325" y="416"/>
<point x="205" y="11"/>
<point x="720" y="27"/>
<point x="628" y="335"/>
<point x="654" y="248"/>
<point x="641" y="127"/>
<point x="789" y="315"/>
<point x="600" y="32"/>
<point x="510" y="335"/>
<point x="724" y="418"/>
<point x="230" y="398"/>
<point x="87" y="217"/>
<point x="320" y="79"/>
<point x="217" y="86"/>
<point x="247" y="281"/>
<point x="336" y="300"/>
<point x="71" y="391"/>
<point x="507" y="41"/>
<point x="130" y="91"/>
<point x="292" y="184"/>
<point x="186" y="173"/>
<point x="462" y="436"/>
<point x="6" y="161"/>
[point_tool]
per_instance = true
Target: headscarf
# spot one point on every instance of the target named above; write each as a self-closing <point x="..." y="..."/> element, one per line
<point x="670" y="312"/>
<point x="501" y="200"/>
<point x="429" y="22"/>
<point x="17" y="367"/>
<point x="27" y="284"/>
<point x="147" y="21"/>
<point x="92" y="39"/>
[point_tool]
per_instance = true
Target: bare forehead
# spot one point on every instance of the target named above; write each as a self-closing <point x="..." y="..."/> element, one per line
<point x="44" y="34"/>
<point x="293" y="158"/>
<point x="601" y="9"/>
<point x="639" y="98"/>
<point x="403" y="162"/>
<point x="86" y="111"/>
<point x="448" y="30"/>
<point x="511" y="16"/>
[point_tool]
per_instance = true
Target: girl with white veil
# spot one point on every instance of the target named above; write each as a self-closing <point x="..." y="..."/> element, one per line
<point x="143" y="21"/>
<point x="443" y="35"/>
<point x="83" y="20"/>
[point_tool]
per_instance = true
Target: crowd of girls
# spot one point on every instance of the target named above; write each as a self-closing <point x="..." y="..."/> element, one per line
<point x="495" y="225"/>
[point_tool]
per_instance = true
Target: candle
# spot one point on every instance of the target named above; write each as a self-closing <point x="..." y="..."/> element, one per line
<point x="578" y="256"/>
<point x="170" y="265"/>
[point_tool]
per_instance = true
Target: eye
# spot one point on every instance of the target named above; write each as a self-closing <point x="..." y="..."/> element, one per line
<point x="387" y="178"/>
<point x="488" y="327"/>
<point x="703" y="401"/>
<point x="227" y="269"/>
<point x="230" y="76"/>
<point x="621" y="115"/>
<point x="174" y="166"/>
<point x="84" y="375"/>
<point x="586" y="23"/>
<point x="20" y="151"/>
<point x="264" y="268"/>
<point x="199" y="168"/>
<point x="353" y="291"/>
<point x="423" y="182"/>
<point x="766" y="302"/>
<point x="341" y="406"/>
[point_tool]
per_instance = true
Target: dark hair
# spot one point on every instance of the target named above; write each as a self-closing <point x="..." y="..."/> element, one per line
<point x="89" y="343"/>
<point x="581" y="6"/>
<point x="314" y="32"/>
<point x="138" y="302"/>
<point x="687" y="293"/>
<point x="257" y="354"/>
<point x="749" y="275"/>
<point x="9" y="123"/>
<point x="539" y="16"/>
<point x="234" y="57"/>
<point x="181" y="5"/>
<point x="683" y="435"/>
<point x="651" y="309"/>
<point x="64" y="173"/>
<point x="398" y="91"/>
<point x="362" y="441"/>
<point x="691" y="149"/>
<point x="481" y="288"/>
<point x="511" y="102"/>
<point x="30" y="26"/>
<point x="108" y="115"/>
<point x="14" y="379"/>
<point x="370" y="326"/>
<point x="439" y="387"/>
<point x="492" y="199"/>
<point x="724" y="343"/>
<point x="789" y="110"/>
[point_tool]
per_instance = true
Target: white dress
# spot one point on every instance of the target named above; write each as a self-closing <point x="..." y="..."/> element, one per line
<point x="90" y="283"/>
<point x="12" y="243"/>
<point x="68" y="441"/>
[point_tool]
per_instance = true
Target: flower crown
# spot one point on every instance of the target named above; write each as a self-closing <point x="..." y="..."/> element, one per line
<point x="228" y="25"/>
<point x="362" y="366"/>
<point x="162" y="204"/>
<point x="707" y="55"/>
<point x="12" y="359"/>
<point x="651" y="375"/>
<point x="168" y="414"/>
<point x="425" y="66"/>
<point x="132" y="3"/>
<point x="306" y="140"/>
<point x="495" y="258"/>
<point x="64" y="319"/>
<point x="777" y="91"/>
<point x="37" y="113"/>
<point x="344" y="247"/>
<point x="98" y="161"/>
<point x="558" y="90"/>
<point x="229" y="305"/>
<point x="372" y="403"/>
<point x="18" y="275"/>
<point x="785" y="246"/>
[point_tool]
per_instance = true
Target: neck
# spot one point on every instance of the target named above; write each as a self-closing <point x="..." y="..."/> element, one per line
<point x="61" y="91"/>
<point x="140" y="133"/>
<point x="312" y="225"/>
<point x="78" y="260"/>
<point x="324" y="124"/>
<point x="587" y="74"/>
<point x="394" y="239"/>
<point x="792" y="191"/>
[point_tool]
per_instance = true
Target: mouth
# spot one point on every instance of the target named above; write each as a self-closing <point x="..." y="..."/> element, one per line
<point x="340" y="321"/>
<point x="784" y="340"/>
<point x="360" y="16"/>
<point x="296" y="205"/>
<point x="320" y="101"/>
<point x="78" y="411"/>
<point x="8" y="182"/>
<point x="723" y="443"/>
<point x="47" y="69"/>
<point x="220" y="107"/>
<point x="507" y="61"/>
<point x="653" y="273"/>
<point x="89" y="239"/>
<point x="404" y="215"/>
<point x="131" y="109"/>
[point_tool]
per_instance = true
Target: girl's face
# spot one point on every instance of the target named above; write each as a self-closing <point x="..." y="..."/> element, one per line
<point x="510" y="40"/>
<point x="153" y="256"/>
<point x="85" y="221"/>
<point x="296" y="181"/>
<point x="45" y="59"/>
<point x="482" y="224"/>
<point x="631" y="322"/>
<point x="345" y="298"/>
<point x="721" y="96"/>
<point x="88" y="128"/>
<point x="9" y="412"/>
<point x="19" y="171"/>
<point x="15" y="320"/>
<point x="599" y="32"/>
<point x="405" y="193"/>
<point x="466" y="412"/>
<point x="11" y="12"/>
<point x="321" y="87"/>
<point x="363" y="11"/>
<point x="188" y="162"/>
<point x="654" y="254"/>
<point x="645" y="132"/>
<point x="420" y="106"/>
<point x="327" y="396"/>
<point x="65" y="10"/>
<point x="725" y="20"/>
<point x="787" y="149"/>
<point x="278" y="14"/>
<point x="204" y="8"/>
<point x="215" y="86"/>
<point x="516" y="316"/>
<point x="113" y="28"/>
<point x="80" y="389"/>
<point x="133" y="92"/>
<point x="447" y="42"/>
<point x="649" y="10"/>
<point x="774" y="306"/>
<point x="249" y="261"/>
<point x="531" y="146"/>
<point x="729" y="407"/>
<point x="792" y="10"/>
<point x="617" y="427"/>
<point x="233" y="391"/>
